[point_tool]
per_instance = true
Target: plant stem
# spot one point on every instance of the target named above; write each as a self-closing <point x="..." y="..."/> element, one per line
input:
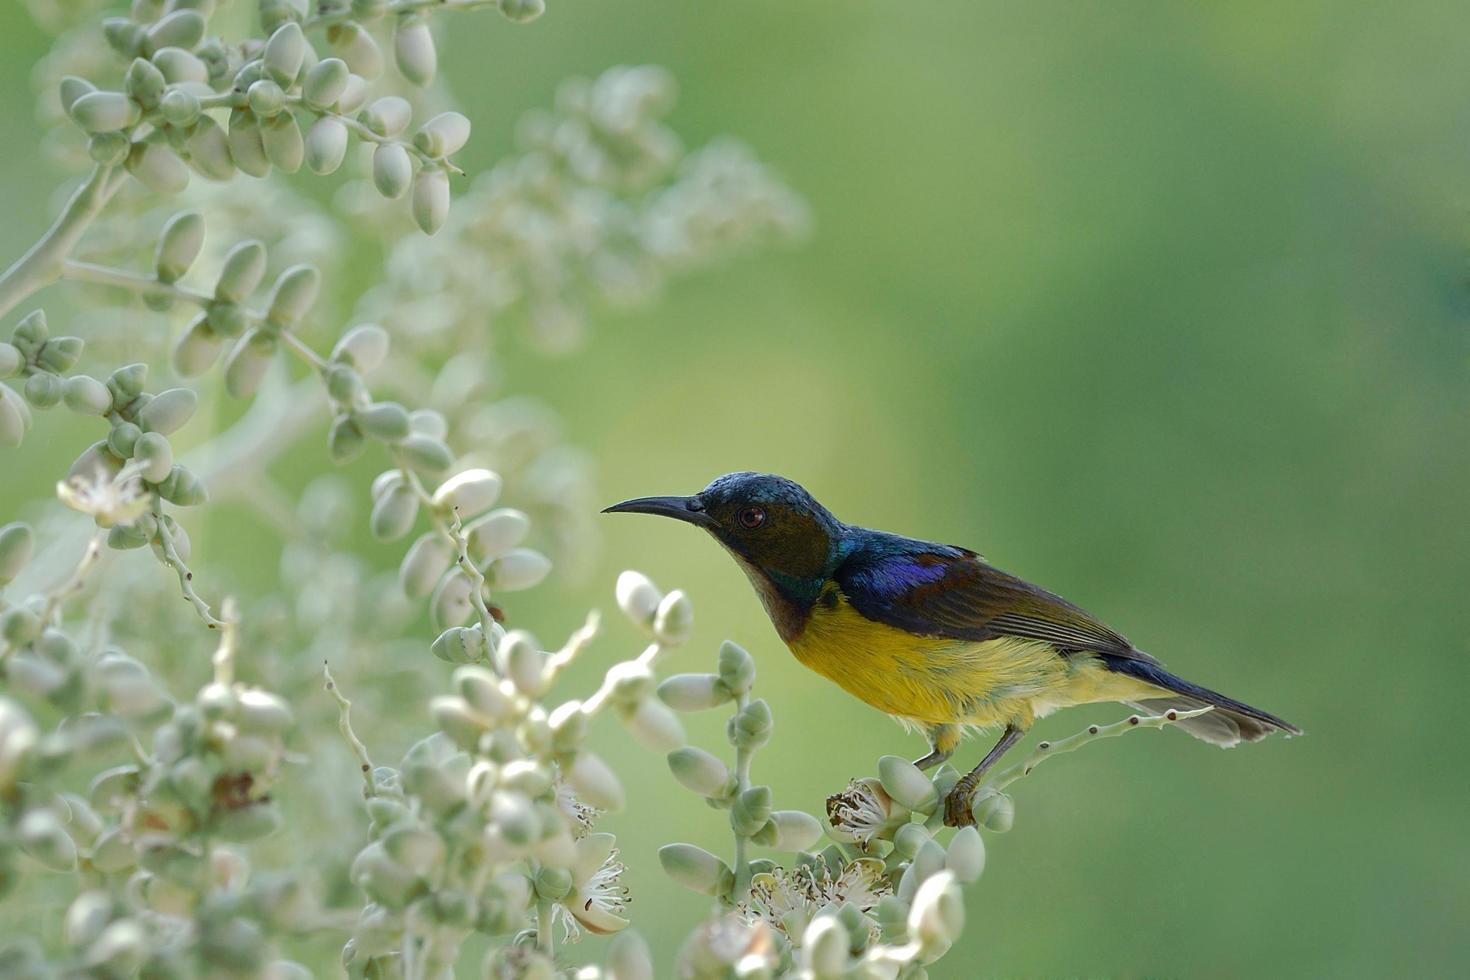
<point x="544" y="940"/>
<point x="743" y="758"/>
<point x="1093" y="733"/>
<point x="42" y="265"/>
<point x="344" y="723"/>
<point x="186" y="577"/>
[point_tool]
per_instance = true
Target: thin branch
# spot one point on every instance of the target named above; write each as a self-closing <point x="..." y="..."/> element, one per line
<point x="186" y="577"/>
<point x="1093" y="733"/>
<point x="344" y="723"/>
<point x="42" y="265"/>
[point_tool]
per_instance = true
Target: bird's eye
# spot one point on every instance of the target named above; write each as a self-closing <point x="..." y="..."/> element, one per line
<point x="751" y="517"/>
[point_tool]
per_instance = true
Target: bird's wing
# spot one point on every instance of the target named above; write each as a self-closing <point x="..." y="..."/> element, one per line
<point x="952" y="592"/>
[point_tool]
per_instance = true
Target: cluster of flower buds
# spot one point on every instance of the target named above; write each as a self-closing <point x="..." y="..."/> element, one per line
<point x="488" y="821"/>
<point x="601" y="205"/>
<point x="161" y="124"/>
<point x="43" y="361"/>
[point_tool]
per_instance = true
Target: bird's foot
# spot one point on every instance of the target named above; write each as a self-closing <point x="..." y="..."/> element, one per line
<point x="958" y="804"/>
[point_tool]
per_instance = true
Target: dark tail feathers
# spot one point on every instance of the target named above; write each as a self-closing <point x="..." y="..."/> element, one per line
<point x="1230" y="723"/>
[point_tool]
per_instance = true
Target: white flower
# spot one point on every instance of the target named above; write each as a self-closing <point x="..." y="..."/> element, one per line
<point x="861" y="812"/>
<point x="109" y="501"/>
<point x="789" y="898"/>
<point x="597" y="898"/>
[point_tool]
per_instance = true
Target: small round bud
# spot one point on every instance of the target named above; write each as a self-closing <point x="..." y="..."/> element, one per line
<point x="595" y="782"/>
<point x="154" y="451"/>
<point x="460" y="645"/>
<point x="102" y="112"/>
<point x="413" y="50"/>
<point x="197" y="348"/>
<point x="244" y="268"/>
<point x="285" y="52"/>
<point x="518" y="569"/>
<point x="17" y="544"/>
<point x="387" y="116"/>
<point x="363" y="346"/>
<point x="674" y="620"/>
<point x="824" y="948"/>
<point x="168" y="410"/>
<point x="247" y="363"/>
<point x="383" y="421"/>
<point x="180" y="66"/>
<point x="443" y="135"/>
<point x="426" y="455"/>
<point x="737" y="667"/>
<point x="700" y="771"/>
<point x="144" y="83"/>
<point x="430" y="201"/>
<point x="209" y="150"/>
<point x="73" y="88"/>
<point x="293" y="294"/>
<point x="87" y="396"/>
<point x="392" y="170"/>
<point x="325" y="82"/>
<point x="966" y="854"/>
<point x="694" y="867"/>
<point x="694" y="692"/>
<point x="178" y="245"/>
<point x="466" y="493"/>
<point x="907" y="784"/>
<point x="180" y="108"/>
<point x="994" y="810"/>
<point x="394" y="513"/>
<point x="426" y="562"/>
<point x="638" y="598"/>
<point x="354" y="45"/>
<point x="496" y="533"/>
<point x="247" y="149"/>
<point x="158" y="168"/>
<point x="180" y="29"/>
<point x="326" y="145"/>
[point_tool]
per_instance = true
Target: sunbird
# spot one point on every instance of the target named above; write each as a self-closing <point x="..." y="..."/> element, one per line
<point x="931" y="633"/>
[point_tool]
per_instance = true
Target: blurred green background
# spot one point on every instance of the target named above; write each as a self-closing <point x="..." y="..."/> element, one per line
<point x="1163" y="306"/>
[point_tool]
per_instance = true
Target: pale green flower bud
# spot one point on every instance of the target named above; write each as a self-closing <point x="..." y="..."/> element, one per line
<point x="15" y="417"/>
<point x="247" y="149"/>
<point x="392" y="170"/>
<point x="420" y="851"/>
<point x="694" y="692"/>
<point x="71" y="89"/>
<point x="938" y="914"/>
<point x="428" y="422"/>
<point x="790" y="830"/>
<point x="123" y="437"/>
<point x="966" y="854"/>
<point x="394" y="514"/>
<point x="522" y="11"/>
<point x="568" y="723"/>
<point x="443" y="135"/>
<point x="58" y="354"/>
<point x="86" y="917"/>
<point x="674" y="620"/>
<point x="459" y="645"/>
<point x="32" y="330"/>
<point x="425" y="454"/>
<point x="993" y="810"/>
<point x="354" y="96"/>
<point x="266" y="99"/>
<point x="496" y="533"/>
<point x="413" y="50"/>
<point x="701" y="772"/>
<point x="517" y="657"/>
<point x="482" y="690"/>
<point x="180" y="29"/>
<point x="113" y="852"/>
<point x="42" y="836"/>
<point x="385" y="881"/>
<point x="751" y="727"/>
<point x="325" y="83"/>
<point x="595" y="782"/>
<point x="183" y="487"/>
<point x="180" y="108"/>
<point x="103" y="112"/>
<point x="293" y="294"/>
<point x="517" y="569"/>
<point x="262" y="712"/>
<point x="450" y="603"/>
<point x="243" y="269"/>
<point x="907" y="784"/>
<point x="179" y="245"/>
<point x="909" y="838"/>
<point x="17" y="544"/>
<point x="638" y="598"/>
<point x="654" y="725"/>
<point x="427" y="560"/>
<point x="326" y="145"/>
<point x="248" y="361"/>
<point x="87" y="396"/>
<point x="384" y="421"/>
<point x="158" y="168"/>
<point x="168" y="410"/>
<point x="430" y="202"/>
<point x="628" y="958"/>
<point x="824" y="948"/>
<point x="285" y="52"/>
<point x="10" y="360"/>
<point x="144" y="83"/>
<point x="274" y="13"/>
<point x="737" y="667"/>
<point x="387" y="116"/>
<point x="209" y="150"/>
<point x="751" y="810"/>
<point x="109" y="149"/>
<point x="343" y="384"/>
<point x="354" y="45"/>
<point x="283" y="144"/>
<point x="466" y="493"/>
<point x="180" y="66"/>
<point x="154" y="451"/>
<point x="121" y="949"/>
<point x="695" y="868"/>
<point x="515" y="818"/>
<point x="363" y="346"/>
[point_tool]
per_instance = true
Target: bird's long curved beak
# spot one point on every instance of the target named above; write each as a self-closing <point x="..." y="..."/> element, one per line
<point x="687" y="509"/>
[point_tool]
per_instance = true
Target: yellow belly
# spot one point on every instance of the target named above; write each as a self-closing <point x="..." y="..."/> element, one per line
<point x="934" y="681"/>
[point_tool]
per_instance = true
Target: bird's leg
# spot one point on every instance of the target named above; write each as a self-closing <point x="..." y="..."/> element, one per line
<point x="957" y="804"/>
<point x="942" y="742"/>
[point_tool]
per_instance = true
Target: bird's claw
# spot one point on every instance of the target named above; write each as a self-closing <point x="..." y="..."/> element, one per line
<point x="958" y="810"/>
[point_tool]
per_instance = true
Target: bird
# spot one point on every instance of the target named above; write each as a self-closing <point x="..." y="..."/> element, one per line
<point x="932" y="634"/>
